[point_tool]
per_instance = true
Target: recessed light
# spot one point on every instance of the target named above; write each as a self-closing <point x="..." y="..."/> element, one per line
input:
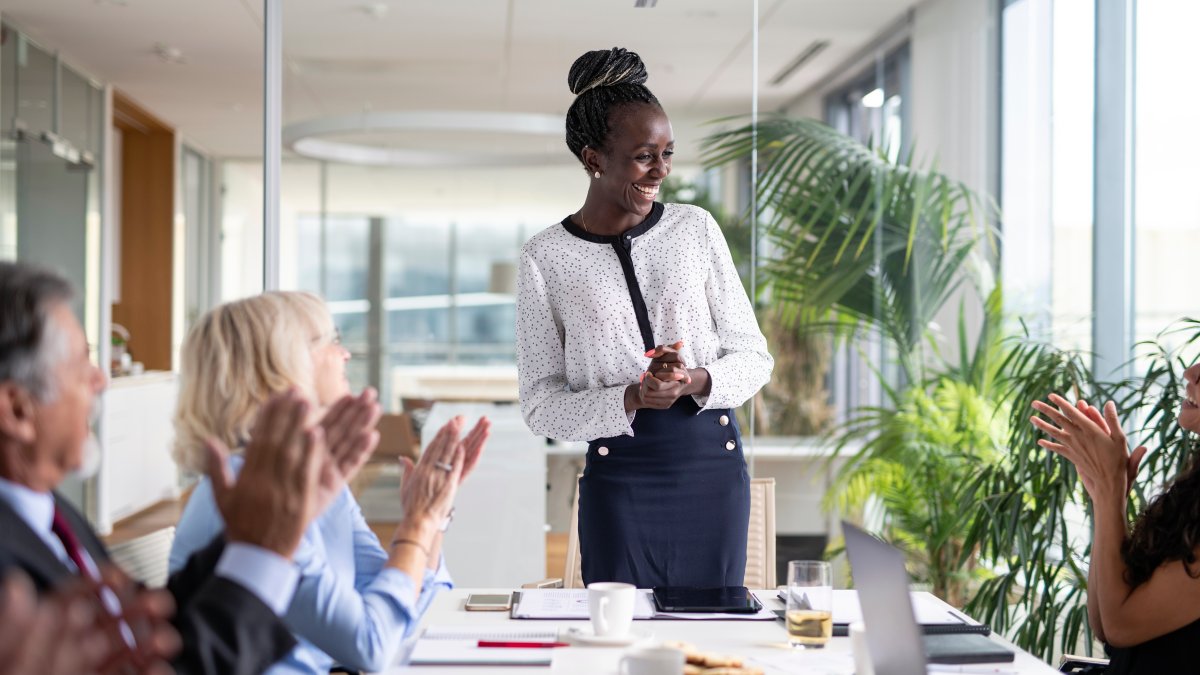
<point x="375" y="10"/>
<point x="645" y="3"/>
<point x="169" y="54"/>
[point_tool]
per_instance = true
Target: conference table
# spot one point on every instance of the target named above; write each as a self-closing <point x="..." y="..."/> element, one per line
<point x="761" y="643"/>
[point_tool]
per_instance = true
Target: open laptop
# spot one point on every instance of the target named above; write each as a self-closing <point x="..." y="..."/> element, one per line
<point x="894" y="639"/>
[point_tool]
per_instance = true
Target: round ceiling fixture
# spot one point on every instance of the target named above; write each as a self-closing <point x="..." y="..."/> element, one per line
<point x="309" y="138"/>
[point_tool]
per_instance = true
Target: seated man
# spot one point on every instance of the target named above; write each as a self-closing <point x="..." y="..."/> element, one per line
<point x="230" y="595"/>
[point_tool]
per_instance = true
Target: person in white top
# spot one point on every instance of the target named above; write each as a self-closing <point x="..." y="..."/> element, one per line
<point x="634" y="333"/>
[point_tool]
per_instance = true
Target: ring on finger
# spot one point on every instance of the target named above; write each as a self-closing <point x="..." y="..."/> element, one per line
<point x="444" y="466"/>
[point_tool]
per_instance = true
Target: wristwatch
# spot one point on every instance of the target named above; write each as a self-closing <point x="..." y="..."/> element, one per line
<point x="449" y="518"/>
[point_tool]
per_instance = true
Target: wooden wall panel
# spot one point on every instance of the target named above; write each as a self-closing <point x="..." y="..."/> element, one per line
<point x="147" y="232"/>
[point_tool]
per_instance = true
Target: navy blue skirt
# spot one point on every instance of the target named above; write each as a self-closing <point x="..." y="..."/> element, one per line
<point x="669" y="506"/>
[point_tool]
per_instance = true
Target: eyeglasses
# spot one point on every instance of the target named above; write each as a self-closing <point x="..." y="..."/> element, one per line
<point x="334" y="339"/>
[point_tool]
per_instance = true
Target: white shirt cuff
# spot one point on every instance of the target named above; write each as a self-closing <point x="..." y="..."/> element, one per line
<point x="269" y="576"/>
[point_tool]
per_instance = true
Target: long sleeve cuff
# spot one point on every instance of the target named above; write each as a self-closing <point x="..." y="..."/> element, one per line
<point x="269" y="576"/>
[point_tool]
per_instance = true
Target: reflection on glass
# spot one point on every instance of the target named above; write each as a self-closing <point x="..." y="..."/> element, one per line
<point x="35" y="86"/>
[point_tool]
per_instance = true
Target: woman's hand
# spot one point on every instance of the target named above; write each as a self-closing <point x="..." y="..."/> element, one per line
<point x="1098" y="449"/>
<point x="666" y="379"/>
<point x="428" y="487"/>
<point x="1135" y="457"/>
<point x="350" y="435"/>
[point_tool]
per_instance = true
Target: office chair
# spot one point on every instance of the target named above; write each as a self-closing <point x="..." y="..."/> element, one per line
<point x="144" y="558"/>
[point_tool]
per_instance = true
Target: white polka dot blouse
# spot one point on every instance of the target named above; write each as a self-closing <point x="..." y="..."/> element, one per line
<point x="579" y="338"/>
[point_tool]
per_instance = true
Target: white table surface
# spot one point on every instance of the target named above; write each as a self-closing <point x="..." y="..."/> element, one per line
<point x="760" y="643"/>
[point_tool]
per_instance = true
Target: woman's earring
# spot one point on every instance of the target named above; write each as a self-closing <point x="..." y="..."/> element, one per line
<point x="596" y="175"/>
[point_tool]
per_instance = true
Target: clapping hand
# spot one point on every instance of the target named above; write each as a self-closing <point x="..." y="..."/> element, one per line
<point x="86" y="627"/>
<point x="351" y="437"/>
<point x="1092" y="441"/>
<point x="277" y="492"/>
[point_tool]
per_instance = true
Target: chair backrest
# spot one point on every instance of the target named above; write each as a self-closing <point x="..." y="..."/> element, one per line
<point x="760" y="539"/>
<point x="144" y="558"/>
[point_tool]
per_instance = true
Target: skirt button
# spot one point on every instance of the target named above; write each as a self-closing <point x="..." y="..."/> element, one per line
<point x="602" y="451"/>
<point x="724" y="420"/>
<point x="730" y="445"/>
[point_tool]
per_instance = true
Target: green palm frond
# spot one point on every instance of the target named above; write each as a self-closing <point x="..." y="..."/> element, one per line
<point x="856" y="235"/>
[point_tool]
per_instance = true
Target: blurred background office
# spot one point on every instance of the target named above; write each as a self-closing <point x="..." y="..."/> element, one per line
<point x="423" y="144"/>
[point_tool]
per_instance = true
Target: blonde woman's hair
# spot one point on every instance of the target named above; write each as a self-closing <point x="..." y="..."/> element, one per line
<point x="236" y="357"/>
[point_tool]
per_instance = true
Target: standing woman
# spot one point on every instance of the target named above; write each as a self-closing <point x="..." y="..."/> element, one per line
<point x="634" y="333"/>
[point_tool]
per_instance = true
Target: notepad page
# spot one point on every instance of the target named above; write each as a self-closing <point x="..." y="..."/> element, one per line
<point x="570" y="603"/>
<point x="445" y="652"/>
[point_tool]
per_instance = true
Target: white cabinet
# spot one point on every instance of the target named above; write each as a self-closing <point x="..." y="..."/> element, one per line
<point x="136" y="468"/>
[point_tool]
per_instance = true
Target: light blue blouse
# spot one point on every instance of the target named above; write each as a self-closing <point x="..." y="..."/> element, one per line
<point x="349" y="608"/>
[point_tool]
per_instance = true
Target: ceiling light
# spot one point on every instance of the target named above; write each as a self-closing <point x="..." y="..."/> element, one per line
<point x="304" y="138"/>
<point x="168" y="54"/>
<point x="645" y="3"/>
<point x="802" y="58"/>
<point x="873" y="99"/>
<point x="375" y="10"/>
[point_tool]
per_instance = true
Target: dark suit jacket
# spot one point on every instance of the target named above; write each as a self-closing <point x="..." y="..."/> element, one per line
<point x="225" y="628"/>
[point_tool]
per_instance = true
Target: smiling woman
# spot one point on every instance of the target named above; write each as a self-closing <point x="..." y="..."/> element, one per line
<point x="634" y="333"/>
<point x="1144" y="585"/>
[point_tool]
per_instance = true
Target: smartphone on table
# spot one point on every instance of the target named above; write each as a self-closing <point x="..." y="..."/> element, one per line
<point x="489" y="602"/>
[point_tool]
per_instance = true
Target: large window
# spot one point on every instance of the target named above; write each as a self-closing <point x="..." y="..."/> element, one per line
<point x="1047" y="103"/>
<point x="1166" y="217"/>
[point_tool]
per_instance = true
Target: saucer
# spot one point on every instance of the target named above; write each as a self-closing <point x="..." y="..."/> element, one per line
<point x="587" y="637"/>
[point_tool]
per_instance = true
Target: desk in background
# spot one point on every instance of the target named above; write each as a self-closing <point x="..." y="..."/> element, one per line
<point x="762" y="643"/>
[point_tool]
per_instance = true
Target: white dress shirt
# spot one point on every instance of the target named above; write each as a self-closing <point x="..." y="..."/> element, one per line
<point x="579" y="342"/>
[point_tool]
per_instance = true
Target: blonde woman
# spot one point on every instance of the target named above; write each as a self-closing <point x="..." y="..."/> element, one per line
<point x="356" y="600"/>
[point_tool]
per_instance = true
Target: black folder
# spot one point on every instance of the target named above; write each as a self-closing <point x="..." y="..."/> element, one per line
<point x="965" y="648"/>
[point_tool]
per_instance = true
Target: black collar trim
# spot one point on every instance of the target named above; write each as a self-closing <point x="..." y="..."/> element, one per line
<point x="651" y="220"/>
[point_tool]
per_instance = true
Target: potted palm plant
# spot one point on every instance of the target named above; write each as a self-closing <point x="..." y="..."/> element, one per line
<point x="946" y="467"/>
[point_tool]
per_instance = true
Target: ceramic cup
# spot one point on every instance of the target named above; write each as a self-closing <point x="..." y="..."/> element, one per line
<point x="610" y="605"/>
<point x="858" y="646"/>
<point x="652" y="661"/>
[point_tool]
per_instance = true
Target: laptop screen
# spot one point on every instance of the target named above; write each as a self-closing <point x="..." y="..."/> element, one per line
<point x="893" y="637"/>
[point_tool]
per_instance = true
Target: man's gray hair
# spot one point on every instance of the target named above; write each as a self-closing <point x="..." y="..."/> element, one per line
<point x="29" y="347"/>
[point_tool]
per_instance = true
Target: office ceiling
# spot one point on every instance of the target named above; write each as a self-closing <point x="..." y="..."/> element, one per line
<point x="198" y="65"/>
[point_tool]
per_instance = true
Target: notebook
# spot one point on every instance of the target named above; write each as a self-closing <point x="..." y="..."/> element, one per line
<point x="894" y="639"/>
<point x="458" y="646"/>
<point x="572" y="603"/>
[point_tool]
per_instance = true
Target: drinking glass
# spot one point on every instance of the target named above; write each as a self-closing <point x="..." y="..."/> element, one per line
<point x="809" y="603"/>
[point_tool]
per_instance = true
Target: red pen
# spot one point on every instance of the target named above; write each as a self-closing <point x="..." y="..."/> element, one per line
<point x="523" y="645"/>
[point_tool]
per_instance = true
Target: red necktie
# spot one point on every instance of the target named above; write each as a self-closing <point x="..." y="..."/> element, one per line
<point x="70" y="542"/>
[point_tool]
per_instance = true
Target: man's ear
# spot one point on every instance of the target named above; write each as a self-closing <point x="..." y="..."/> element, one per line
<point x="18" y="411"/>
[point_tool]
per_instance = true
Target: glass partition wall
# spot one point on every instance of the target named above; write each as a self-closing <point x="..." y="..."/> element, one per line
<point x="423" y="147"/>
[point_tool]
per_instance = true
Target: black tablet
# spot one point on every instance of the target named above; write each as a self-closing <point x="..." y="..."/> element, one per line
<point x="724" y="599"/>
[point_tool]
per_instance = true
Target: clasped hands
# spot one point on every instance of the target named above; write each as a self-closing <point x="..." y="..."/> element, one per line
<point x="1093" y="442"/>
<point x="666" y="379"/>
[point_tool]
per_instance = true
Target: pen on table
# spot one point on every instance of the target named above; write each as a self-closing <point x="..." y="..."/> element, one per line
<point x="989" y="670"/>
<point x="522" y="645"/>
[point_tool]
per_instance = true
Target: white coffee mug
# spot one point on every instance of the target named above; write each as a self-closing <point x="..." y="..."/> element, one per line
<point x="653" y="661"/>
<point x="858" y="647"/>
<point x="610" y="605"/>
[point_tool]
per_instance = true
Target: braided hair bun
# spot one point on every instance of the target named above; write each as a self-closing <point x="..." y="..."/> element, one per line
<point x="601" y="80"/>
<point x="606" y="68"/>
